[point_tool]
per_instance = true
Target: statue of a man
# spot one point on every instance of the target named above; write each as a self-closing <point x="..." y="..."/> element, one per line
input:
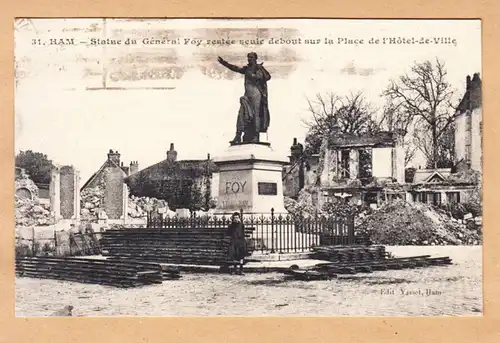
<point x="253" y="116"/>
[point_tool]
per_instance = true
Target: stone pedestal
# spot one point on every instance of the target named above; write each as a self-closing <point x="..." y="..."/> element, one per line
<point x="250" y="178"/>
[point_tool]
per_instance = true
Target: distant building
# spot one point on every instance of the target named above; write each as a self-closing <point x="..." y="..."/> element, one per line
<point x="351" y="166"/>
<point x="362" y="168"/>
<point x="182" y="183"/>
<point x="109" y="179"/>
<point x="112" y="163"/>
<point x="301" y="171"/>
<point x="438" y="187"/>
<point x="469" y="126"/>
<point x="442" y="186"/>
<point x="369" y="168"/>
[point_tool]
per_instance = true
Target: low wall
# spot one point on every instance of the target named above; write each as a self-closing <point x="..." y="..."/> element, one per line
<point x="56" y="240"/>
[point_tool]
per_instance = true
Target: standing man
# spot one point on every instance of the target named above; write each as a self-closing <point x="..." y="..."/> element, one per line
<point x="238" y="245"/>
<point x="253" y="116"/>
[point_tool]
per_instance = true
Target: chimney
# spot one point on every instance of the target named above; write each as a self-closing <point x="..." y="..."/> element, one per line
<point x="114" y="157"/>
<point x="475" y="92"/>
<point x="467" y="82"/>
<point x="134" y="167"/>
<point x="172" y="154"/>
<point x="296" y="151"/>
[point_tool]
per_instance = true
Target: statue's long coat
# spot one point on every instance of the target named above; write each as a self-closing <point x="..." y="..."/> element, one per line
<point x="257" y="100"/>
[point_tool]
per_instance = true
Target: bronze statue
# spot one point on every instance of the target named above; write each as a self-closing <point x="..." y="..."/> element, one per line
<point x="253" y="116"/>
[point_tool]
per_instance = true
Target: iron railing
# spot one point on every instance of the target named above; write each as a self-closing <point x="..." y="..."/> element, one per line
<point x="273" y="232"/>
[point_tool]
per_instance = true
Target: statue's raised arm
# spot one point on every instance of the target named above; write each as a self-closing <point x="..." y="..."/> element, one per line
<point x="231" y="67"/>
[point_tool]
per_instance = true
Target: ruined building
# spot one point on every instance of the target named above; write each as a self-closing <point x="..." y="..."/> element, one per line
<point x="360" y="167"/>
<point x="111" y="164"/>
<point x="469" y="126"/>
<point x="443" y="186"/>
<point x="301" y="172"/>
<point x="350" y="166"/>
<point x="109" y="180"/>
<point x="369" y="169"/>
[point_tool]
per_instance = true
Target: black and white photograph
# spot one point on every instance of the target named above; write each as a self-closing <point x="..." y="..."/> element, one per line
<point x="177" y="167"/>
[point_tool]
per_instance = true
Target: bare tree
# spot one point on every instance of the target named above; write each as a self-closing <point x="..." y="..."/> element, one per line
<point x="350" y="114"/>
<point x="425" y="96"/>
<point x="410" y="149"/>
<point x="395" y="119"/>
<point x="445" y="148"/>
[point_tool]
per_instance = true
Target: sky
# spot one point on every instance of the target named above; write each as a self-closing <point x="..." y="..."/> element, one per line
<point x="154" y="95"/>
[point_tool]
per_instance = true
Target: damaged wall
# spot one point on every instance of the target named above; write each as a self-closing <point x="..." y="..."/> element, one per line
<point x="382" y="162"/>
<point x="329" y="168"/>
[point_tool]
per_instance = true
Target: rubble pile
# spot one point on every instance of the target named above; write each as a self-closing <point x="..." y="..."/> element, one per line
<point x="303" y="206"/>
<point x="91" y="203"/>
<point x="402" y="223"/>
<point x="92" y="200"/>
<point x="31" y="213"/>
<point x="23" y="181"/>
<point x="139" y="206"/>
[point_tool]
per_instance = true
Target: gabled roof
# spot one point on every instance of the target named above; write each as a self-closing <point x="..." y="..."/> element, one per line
<point x="431" y="175"/>
<point x="435" y="177"/>
<point x="105" y="165"/>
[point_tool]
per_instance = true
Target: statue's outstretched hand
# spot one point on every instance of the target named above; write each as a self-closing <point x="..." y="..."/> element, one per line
<point x="221" y="60"/>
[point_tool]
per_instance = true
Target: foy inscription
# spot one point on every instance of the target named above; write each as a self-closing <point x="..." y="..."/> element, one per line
<point x="235" y="187"/>
<point x="235" y="194"/>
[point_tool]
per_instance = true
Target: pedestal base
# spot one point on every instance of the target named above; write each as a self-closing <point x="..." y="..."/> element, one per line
<point x="250" y="179"/>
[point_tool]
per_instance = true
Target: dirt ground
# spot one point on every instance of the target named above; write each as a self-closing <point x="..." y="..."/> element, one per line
<point x="454" y="290"/>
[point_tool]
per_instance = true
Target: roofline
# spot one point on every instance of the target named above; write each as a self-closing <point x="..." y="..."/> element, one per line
<point x="447" y="183"/>
<point x="97" y="173"/>
<point x="433" y="174"/>
<point x="165" y="160"/>
<point x="363" y="145"/>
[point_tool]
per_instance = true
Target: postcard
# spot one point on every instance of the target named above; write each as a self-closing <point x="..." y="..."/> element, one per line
<point x="248" y="167"/>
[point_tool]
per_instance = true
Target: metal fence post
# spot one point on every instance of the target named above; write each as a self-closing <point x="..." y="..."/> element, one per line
<point x="350" y="232"/>
<point x="272" y="230"/>
<point x="33" y="249"/>
<point x="55" y="238"/>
